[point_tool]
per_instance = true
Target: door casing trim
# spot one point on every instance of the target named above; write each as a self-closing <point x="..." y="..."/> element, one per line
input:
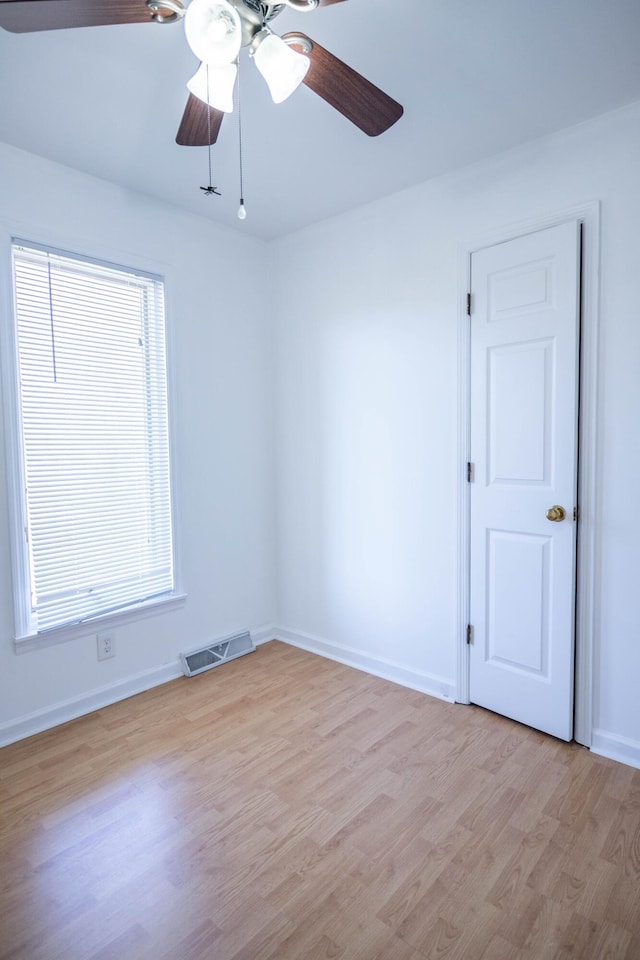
<point x="587" y="214"/>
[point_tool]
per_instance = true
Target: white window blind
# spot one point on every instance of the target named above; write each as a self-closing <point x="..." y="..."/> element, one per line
<point x="95" y="445"/>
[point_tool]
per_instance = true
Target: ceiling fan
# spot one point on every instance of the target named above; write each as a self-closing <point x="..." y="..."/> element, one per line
<point x="216" y="30"/>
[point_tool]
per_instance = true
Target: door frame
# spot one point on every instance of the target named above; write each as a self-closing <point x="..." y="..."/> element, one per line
<point x="588" y="215"/>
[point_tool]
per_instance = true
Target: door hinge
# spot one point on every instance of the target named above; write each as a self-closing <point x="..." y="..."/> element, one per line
<point x="469" y="633"/>
<point x="469" y="472"/>
<point x="468" y="304"/>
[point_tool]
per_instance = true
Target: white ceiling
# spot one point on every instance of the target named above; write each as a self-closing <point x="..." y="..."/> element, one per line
<point x="475" y="77"/>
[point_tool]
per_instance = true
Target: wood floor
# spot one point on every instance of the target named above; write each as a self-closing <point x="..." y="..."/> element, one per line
<point x="284" y="807"/>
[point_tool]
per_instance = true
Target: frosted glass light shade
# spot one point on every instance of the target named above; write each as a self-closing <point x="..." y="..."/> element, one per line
<point x="221" y="83"/>
<point x="282" y="68"/>
<point x="213" y="30"/>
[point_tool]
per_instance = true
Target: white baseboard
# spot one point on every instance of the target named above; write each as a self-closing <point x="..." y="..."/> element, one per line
<point x="39" y="720"/>
<point x="604" y="744"/>
<point x="264" y="634"/>
<point x="615" y="747"/>
<point x="67" y="710"/>
<point x="378" y="666"/>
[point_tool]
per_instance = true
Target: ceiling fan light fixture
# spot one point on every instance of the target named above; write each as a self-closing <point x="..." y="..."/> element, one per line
<point x="219" y="85"/>
<point x="213" y="30"/>
<point x="282" y="68"/>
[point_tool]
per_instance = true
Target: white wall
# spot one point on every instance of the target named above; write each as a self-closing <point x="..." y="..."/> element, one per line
<point x="366" y="373"/>
<point x="221" y="361"/>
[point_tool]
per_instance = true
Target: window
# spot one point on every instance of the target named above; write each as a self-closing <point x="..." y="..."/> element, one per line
<point x="93" y="460"/>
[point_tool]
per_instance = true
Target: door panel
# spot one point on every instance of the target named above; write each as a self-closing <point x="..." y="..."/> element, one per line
<point x="518" y="567"/>
<point x="518" y="448"/>
<point x="524" y="405"/>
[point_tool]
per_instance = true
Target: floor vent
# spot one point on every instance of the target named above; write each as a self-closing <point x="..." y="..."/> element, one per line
<point x="228" y="648"/>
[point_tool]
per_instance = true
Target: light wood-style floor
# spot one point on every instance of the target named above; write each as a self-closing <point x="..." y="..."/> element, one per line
<point x="284" y="807"/>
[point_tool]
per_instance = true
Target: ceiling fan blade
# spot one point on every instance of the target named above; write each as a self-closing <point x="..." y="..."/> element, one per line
<point x="357" y="99"/>
<point x="325" y="3"/>
<point x="195" y="125"/>
<point x="27" y="16"/>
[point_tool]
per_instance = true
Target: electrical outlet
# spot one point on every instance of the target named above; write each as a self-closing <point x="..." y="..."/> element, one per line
<point x="106" y="646"/>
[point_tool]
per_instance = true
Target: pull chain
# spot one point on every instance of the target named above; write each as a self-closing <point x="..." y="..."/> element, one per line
<point x="208" y="191"/>
<point x="242" y="212"/>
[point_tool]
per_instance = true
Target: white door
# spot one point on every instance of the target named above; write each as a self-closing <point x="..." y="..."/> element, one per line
<point x="524" y="421"/>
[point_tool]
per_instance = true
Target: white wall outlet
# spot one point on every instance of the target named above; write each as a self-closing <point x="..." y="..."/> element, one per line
<point x="106" y="646"/>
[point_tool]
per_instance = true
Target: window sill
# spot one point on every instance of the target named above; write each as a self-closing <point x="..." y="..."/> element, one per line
<point x="109" y="621"/>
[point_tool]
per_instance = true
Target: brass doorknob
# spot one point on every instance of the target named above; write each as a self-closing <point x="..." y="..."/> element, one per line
<point x="556" y="513"/>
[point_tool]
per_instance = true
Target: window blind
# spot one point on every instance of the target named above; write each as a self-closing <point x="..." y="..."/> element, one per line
<point x="93" y="404"/>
